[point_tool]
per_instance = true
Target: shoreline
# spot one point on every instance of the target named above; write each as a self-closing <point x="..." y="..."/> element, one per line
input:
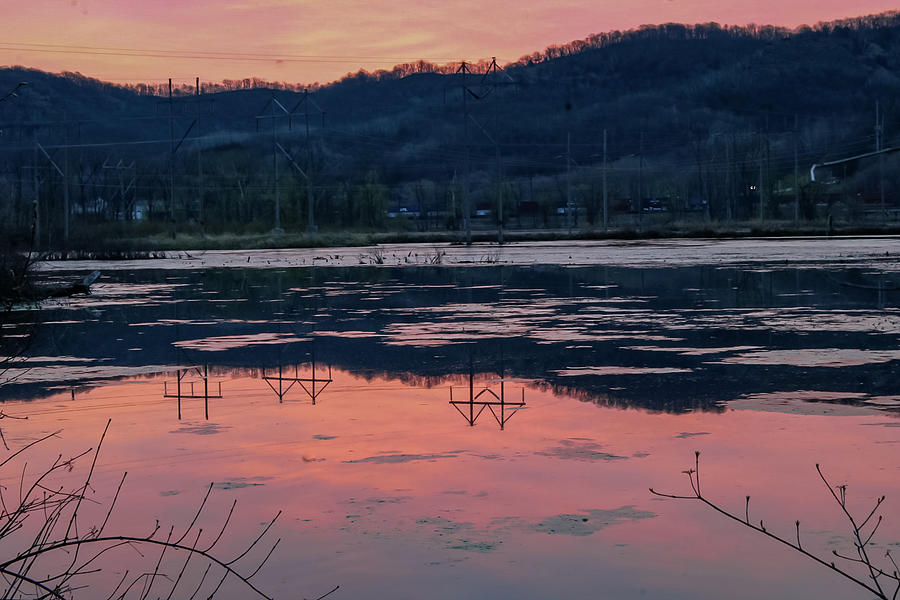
<point x="883" y="251"/>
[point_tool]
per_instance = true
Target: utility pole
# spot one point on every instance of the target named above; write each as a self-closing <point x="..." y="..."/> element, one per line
<point x="199" y="163"/>
<point x="605" y="197"/>
<point x="174" y="146"/>
<point x="728" y="213"/>
<point x="499" y="198"/>
<point x="762" y="200"/>
<point x="59" y="172"/>
<point x="120" y="167"/>
<point x="768" y="162"/>
<point x="495" y="70"/>
<point x="467" y="209"/>
<point x="277" y="229"/>
<point x="307" y="102"/>
<point x="36" y="206"/>
<point x="796" y="169"/>
<point x="499" y="180"/>
<point x="66" y="180"/>
<point x="171" y="160"/>
<point x="569" y="205"/>
<point x="453" y="198"/>
<point x="641" y="178"/>
<point x="879" y="144"/>
<point x="310" y="199"/>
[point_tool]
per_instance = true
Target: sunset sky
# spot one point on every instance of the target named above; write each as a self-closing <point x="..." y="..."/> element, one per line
<point x="314" y="40"/>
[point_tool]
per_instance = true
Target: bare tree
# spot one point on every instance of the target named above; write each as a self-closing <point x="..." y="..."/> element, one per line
<point x="861" y="569"/>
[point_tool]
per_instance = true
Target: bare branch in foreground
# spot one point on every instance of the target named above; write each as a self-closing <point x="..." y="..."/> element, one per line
<point x="883" y="583"/>
<point x="63" y="552"/>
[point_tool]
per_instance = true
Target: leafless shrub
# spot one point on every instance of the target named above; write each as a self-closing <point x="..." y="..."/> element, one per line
<point x="375" y="256"/>
<point x="861" y="569"/>
<point x="61" y="551"/>
<point x="491" y="258"/>
<point x="437" y="256"/>
<point x="16" y="277"/>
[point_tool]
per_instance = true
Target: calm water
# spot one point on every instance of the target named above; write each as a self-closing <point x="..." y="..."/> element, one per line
<point x="610" y="378"/>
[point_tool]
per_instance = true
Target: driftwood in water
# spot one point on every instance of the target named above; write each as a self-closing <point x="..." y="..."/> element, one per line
<point x="82" y="287"/>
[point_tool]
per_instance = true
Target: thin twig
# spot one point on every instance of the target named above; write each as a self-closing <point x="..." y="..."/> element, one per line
<point x="875" y="573"/>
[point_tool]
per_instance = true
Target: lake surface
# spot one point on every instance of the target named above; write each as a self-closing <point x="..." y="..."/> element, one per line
<point x="323" y="389"/>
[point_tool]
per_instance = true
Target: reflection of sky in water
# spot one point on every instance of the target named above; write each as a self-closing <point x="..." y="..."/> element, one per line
<point x="626" y="372"/>
<point x="652" y="327"/>
<point x="383" y="482"/>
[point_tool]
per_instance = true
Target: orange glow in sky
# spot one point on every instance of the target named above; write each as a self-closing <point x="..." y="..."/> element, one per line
<point x="303" y="41"/>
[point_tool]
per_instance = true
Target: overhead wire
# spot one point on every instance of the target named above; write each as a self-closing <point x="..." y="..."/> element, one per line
<point x="211" y="55"/>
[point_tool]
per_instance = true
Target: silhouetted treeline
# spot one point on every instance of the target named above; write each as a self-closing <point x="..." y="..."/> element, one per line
<point x="701" y="122"/>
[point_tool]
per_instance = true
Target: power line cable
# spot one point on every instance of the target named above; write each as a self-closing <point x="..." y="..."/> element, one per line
<point x="207" y="55"/>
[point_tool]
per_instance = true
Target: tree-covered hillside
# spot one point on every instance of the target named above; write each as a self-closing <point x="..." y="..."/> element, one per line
<point x="701" y="119"/>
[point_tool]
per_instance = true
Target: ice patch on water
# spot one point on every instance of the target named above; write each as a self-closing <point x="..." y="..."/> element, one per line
<point x="692" y="351"/>
<point x="617" y="370"/>
<point x="813" y="357"/>
<point x="230" y="342"/>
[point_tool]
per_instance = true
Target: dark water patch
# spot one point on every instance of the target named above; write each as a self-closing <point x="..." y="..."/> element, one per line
<point x="590" y="521"/>
<point x="201" y="428"/>
<point x="474" y="546"/>
<point x="375" y="501"/>
<point x="404" y="458"/>
<point x="579" y="449"/>
<point x="239" y="483"/>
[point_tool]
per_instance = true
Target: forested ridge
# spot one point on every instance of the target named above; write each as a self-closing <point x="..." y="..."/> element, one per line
<point x="701" y="119"/>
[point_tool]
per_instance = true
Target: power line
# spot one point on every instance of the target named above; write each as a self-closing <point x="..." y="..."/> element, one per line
<point x="207" y="55"/>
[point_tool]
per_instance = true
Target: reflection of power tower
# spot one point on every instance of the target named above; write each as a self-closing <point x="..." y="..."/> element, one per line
<point x="196" y="395"/>
<point x="281" y="384"/>
<point x="486" y="398"/>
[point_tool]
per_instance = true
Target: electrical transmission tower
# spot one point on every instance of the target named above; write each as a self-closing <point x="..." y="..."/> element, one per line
<point x="276" y="110"/>
<point x="121" y="169"/>
<point x="58" y="165"/>
<point x="490" y="82"/>
<point x="197" y="101"/>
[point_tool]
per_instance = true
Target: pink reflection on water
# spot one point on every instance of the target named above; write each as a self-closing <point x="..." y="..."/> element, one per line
<point x="388" y="492"/>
